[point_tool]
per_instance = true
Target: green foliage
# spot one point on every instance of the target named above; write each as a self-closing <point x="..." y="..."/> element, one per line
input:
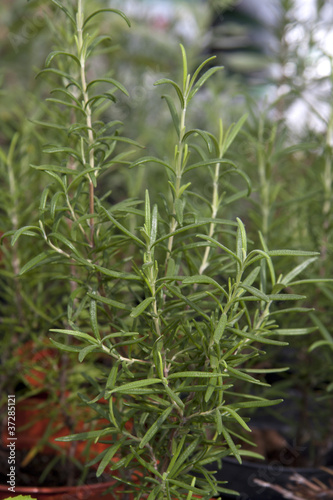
<point x="167" y="301"/>
<point x="21" y="497"/>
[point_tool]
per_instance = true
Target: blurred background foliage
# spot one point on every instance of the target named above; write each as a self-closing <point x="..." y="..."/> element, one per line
<point x="277" y="58"/>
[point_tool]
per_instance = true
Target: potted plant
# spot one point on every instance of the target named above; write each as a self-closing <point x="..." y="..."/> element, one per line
<point x="291" y="202"/>
<point x="170" y="301"/>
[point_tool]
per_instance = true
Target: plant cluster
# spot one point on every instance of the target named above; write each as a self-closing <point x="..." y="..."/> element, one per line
<point x="165" y="299"/>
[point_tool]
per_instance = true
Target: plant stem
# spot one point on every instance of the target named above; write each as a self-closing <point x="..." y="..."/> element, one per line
<point x="215" y="205"/>
<point x="179" y="173"/>
<point x="13" y="215"/>
<point x="88" y="112"/>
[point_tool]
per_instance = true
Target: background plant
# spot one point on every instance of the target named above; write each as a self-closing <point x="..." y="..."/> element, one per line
<point x="292" y="190"/>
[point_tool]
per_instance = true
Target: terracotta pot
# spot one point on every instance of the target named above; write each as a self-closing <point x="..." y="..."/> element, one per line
<point x="46" y="357"/>
<point x="85" y="492"/>
<point x="32" y="421"/>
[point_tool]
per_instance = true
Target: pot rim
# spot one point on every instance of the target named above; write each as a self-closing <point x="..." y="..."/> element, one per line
<point x="274" y="463"/>
<point x="58" y="489"/>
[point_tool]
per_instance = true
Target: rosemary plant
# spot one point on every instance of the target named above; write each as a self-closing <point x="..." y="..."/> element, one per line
<point x="174" y="299"/>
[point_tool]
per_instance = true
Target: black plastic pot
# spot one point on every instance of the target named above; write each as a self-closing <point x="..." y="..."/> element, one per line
<point x="241" y="478"/>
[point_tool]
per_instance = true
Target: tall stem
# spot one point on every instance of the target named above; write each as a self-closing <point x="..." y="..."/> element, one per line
<point x="88" y="112"/>
<point x="179" y="173"/>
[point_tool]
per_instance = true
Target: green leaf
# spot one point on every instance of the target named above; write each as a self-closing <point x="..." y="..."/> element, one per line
<point x="138" y="384"/>
<point x="114" y="11"/>
<point x="111" y="302"/>
<point x="295" y="331"/>
<point x="258" y="403"/>
<point x="116" y="274"/>
<point x="291" y="253"/>
<point x="321" y="343"/>
<point x="202" y="279"/>
<point x="256" y="338"/>
<point x="66" y="11"/>
<point x="210" y="388"/>
<point x="141" y="307"/>
<point x="213" y="161"/>
<point x="57" y="72"/>
<point x="93" y="318"/>
<point x="205" y="135"/>
<point x="184" y="59"/>
<point x="26" y="230"/>
<point x="65" y="241"/>
<point x="231" y="444"/>
<point x="285" y="296"/>
<point x="179" y="208"/>
<point x="183" y="229"/>
<point x="173" y="396"/>
<point x="255" y="292"/>
<point x="174" y="290"/>
<point x="243" y="376"/>
<point x="49" y="125"/>
<point x="241" y="240"/>
<point x="173" y="112"/>
<point x="112" y="81"/>
<point x="147" y="213"/>
<point x="112" y="378"/>
<point x="198" y="70"/>
<point x="193" y="374"/>
<point x="174" y="468"/>
<point x="35" y="261"/>
<point x="297" y="270"/>
<point x="57" y="149"/>
<point x="175" y="86"/>
<point x="85" y="351"/>
<point x="77" y="334"/>
<point x="232" y="132"/>
<point x="154" y="224"/>
<point x="315" y="281"/>
<point x="65" y="347"/>
<point x="220" y="328"/>
<point x="99" y="39"/>
<point x="55" y="53"/>
<point x="55" y="168"/>
<point x="85" y="435"/>
<point x="237" y="417"/>
<point x="187" y="487"/>
<point x="155" y="427"/>
<point x="121" y="227"/>
<point x="216" y="243"/>
<point x="54" y="203"/>
<point x="108" y="457"/>
<point x="146" y="465"/>
<point x="251" y="277"/>
<point x="151" y="159"/>
<point x="203" y="80"/>
<point x="176" y="454"/>
<point x="218" y="421"/>
<point x="65" y="103"/>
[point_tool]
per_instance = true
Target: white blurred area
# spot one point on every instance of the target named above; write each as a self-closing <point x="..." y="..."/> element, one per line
<point x="311" y="36"/>
<point x="308" y="42"/>
<point x="162" y="14"/>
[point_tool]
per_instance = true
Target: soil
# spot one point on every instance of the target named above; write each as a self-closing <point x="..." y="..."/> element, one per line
<point x="63" y="473"/>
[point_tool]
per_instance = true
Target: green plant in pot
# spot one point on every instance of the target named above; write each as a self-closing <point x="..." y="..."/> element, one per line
<point x="291" y="202"/>
<point x="43" y="380"/>
<point x="170" y="300"/>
